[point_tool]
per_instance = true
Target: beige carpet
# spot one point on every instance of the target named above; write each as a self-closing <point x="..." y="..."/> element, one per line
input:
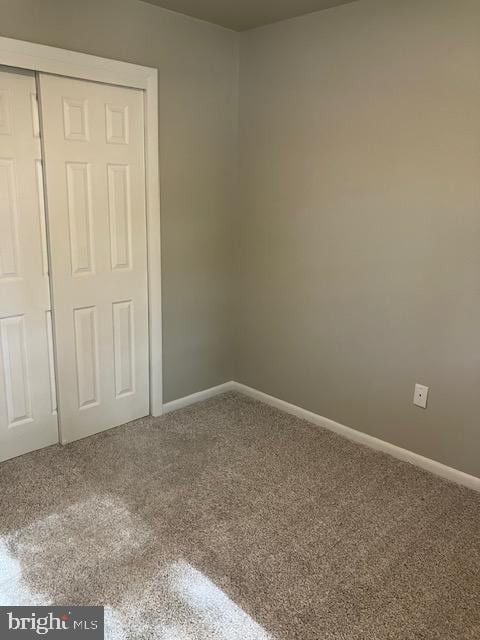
<point x="233" y="521"/>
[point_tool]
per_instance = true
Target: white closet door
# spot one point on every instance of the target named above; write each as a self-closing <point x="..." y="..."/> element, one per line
<point x="93" y="138"/>
<point x="28" y="417"/>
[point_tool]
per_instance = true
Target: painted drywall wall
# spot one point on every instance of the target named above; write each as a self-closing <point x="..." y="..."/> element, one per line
<point x="359" y="269"/>
<point x="198" y="83"/>
<point x="355" y="245"/>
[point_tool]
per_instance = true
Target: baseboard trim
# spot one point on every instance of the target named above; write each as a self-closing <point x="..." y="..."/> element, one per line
<point x="437" y="468"/>
<point x="200" y="396"/>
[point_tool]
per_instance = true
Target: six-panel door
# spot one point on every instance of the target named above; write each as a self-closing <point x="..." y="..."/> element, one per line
<point x="95" y="183"/>
<point x="28" y="417"/>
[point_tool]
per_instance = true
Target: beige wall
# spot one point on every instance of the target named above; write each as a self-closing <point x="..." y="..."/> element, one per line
<point x="360" y="175"/>
<point x="198" y="138"/>
<point x="355" y="230"/>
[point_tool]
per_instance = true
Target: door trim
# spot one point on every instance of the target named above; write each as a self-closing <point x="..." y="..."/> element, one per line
<point x="42" y="58"/>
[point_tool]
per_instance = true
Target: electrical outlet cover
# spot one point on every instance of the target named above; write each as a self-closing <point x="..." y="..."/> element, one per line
<point x="420" y="396"/>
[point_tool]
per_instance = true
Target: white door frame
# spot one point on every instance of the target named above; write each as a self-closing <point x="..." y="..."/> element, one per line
<point x="38" y="57"/>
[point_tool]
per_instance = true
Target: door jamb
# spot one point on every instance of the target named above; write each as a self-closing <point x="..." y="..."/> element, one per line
<point x="42" y="58"/>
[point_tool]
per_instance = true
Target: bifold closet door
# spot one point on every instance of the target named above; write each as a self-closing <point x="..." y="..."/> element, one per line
<point x="28" y="417"/>
<point x="93" y="141"/>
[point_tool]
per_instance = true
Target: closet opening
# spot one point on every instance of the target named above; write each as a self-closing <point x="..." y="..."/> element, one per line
<point x="80" y="346"/>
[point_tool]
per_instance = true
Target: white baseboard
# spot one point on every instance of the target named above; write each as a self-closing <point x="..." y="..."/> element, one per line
<point x="437" y="468"/>
<point x="198" y="397"/>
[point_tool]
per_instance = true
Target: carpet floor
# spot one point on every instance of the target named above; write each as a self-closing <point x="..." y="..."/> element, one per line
<point x="230" y="520"/>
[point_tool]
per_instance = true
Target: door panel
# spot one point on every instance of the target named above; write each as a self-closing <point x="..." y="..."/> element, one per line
<point x="95" y="175"/>
<point x="28" y="417"/>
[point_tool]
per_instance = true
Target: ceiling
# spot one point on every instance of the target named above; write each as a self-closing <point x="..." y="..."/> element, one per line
<point x="246" y="14"/>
